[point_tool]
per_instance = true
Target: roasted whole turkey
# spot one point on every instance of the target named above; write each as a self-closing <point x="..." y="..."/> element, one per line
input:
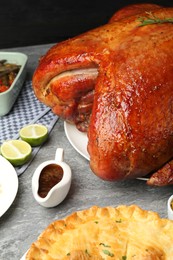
<point x="115" y="82"/>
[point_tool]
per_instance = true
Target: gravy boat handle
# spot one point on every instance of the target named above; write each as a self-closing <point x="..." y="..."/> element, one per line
<point x="59" y="155"/>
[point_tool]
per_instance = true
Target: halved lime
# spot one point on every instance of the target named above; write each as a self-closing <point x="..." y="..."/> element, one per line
<point x="17" y="152"/>
<point x="34" y="134"/>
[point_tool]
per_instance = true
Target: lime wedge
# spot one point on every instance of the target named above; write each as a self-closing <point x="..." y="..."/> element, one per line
<point x="34" y="134"/>
<point x="17" y="152"/>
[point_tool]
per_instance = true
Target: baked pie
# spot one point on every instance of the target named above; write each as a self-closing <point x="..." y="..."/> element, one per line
<point x="122" y="233"/>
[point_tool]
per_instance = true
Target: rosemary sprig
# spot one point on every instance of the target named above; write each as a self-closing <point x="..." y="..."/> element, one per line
<point x="151" y="19"/>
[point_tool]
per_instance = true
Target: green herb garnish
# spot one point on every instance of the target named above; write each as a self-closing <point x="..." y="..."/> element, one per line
<point x="124" y="257"/>
<point x="107" y="252"/>
<point x="151" y="19"/>
<point x="118" y="221"/>
<point x="102" y="244"/>
<point x="86" y="251"/>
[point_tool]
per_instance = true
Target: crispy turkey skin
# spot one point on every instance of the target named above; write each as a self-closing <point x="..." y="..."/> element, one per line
<point x="116" y="83"/>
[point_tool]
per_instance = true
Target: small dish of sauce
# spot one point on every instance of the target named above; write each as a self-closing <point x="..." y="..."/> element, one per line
<point x="170" y="207"/>
<point x="51" y="181"/>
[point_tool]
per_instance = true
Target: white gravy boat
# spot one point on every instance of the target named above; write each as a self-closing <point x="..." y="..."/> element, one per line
<point x="169" y="208"/>
<point x="51" y="181"/>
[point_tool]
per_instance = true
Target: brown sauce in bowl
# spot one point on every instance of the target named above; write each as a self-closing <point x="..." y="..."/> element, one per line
<point x="49" y="177"/>
<point x="172" y="204"/>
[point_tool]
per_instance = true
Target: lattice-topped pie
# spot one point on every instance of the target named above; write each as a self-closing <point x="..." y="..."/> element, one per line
<point x="122" y="233"/>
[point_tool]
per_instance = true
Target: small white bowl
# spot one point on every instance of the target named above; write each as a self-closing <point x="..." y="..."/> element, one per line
<point x="8" y="97"/>
<point x="59" y="191"/>
<point x="170" y="210"/>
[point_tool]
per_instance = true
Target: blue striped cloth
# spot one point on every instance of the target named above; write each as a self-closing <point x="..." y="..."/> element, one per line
<point x="27" y="110"/>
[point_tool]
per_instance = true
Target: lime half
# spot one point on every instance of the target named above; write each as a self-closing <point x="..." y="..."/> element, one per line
<point x="17" y="152"/>
<point x="34" y="134"/>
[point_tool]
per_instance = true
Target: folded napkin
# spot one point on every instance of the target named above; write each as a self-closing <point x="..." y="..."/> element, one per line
<point x="27" y="110"/>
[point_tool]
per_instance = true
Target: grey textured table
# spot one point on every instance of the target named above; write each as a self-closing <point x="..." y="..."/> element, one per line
<point x="26" y="219"/>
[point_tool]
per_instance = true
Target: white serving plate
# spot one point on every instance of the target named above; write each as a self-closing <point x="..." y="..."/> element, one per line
<point x="8" y="98"/>
<point x="79" y="141"/>
<point x="8" y="185"/>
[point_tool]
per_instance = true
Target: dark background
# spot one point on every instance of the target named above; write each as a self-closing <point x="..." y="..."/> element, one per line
<point x="36" y="22"/>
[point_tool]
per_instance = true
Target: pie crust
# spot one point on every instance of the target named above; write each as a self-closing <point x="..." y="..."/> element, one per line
<point x="122" y="233"/>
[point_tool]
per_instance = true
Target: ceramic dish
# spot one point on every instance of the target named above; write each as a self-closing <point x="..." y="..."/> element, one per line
<point x="51" y="181"/>
<point x="24" y="256"/>
<point x="170" y="208"/>
<point x="8" y="98"/>
<point x="79" y="141"/>
<point x="8" y="185"/>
